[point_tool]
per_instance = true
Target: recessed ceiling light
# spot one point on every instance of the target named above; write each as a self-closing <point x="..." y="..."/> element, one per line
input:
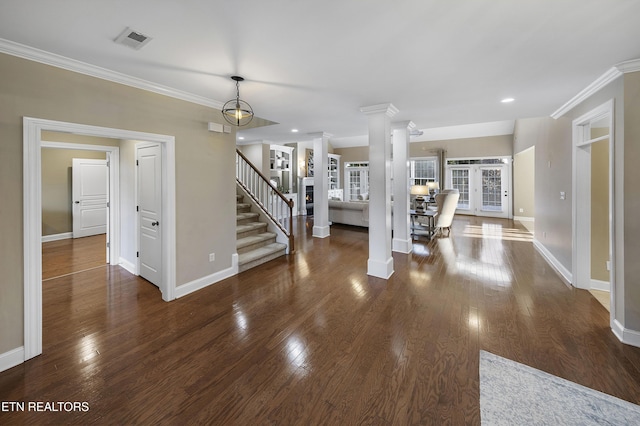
<point x="507" y="100"/>
<point x="294" y="130"/>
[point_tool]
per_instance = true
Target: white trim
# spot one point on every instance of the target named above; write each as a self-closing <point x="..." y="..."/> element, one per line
<point x="629" y="66"/>
<point x="11" y="358"/>
<point x="564" y="273"/>
<point x="321" y="231"/>
<point x="203" y="282"/>
<point x="581" y="190"/>
<point x="610" y="75"/>
<point x="57" y="237"/>
<point x="130" y="267"/>
<point x="37" y="55"/>
<point x="401" y="246"/>
<point x="524" y="218"/>
<point x="600" y="285"/>
<point x="587" y="92"/>
<point x="380" y="269"/>
<point x="629" y="337"/>
<point x="32" y="214"/>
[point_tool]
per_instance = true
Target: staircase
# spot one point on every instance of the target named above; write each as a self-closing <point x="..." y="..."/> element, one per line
<point x="254" y="243"/>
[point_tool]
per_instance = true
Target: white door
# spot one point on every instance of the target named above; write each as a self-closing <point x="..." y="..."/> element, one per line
<point x="90" y="195"/>
<point x="484" y="189"/>
<point x="149" y="174"/>
<point x="493" y="193"/>
<point x="460" y="179"/>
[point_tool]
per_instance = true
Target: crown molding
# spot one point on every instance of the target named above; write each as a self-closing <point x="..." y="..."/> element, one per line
<point x="407" y="124"/>
<point x="606" y="78"/>
<point x="58" y="61"/>
<point x="388" y="109"/>
<point x="629" y="66"/>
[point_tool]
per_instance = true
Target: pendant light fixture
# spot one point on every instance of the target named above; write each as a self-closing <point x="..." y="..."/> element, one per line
<point x="236" y="111"/>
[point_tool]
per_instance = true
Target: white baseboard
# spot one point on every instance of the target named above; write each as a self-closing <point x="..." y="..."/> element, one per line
<point x="12" y="358"/>
<point x="203" y="282"/>
<point x="401" y="246"/>
<point x="321" y="231"/>
<point x="600" y="285"/>
<point x="127" y="265"/>
<point x="629" y="337"/>
<point x="564" y="273"/>
<point x="57" y="237"/>
<point x="380" y="268"/>
<point x="523" y="219"/>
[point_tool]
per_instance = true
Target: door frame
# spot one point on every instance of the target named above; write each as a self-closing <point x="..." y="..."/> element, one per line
<point x="581" y="205"/>
<point x="32" y="215"/>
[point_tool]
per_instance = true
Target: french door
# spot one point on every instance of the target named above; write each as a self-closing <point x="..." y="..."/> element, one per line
<point x="484" y="185"/>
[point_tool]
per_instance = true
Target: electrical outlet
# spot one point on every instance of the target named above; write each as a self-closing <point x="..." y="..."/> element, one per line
<point x="212" y="257"/>
<point x="608" y="265"/>
<point x="521" y="210"/>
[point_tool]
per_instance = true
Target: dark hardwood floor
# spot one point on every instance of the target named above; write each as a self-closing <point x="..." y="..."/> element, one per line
<point x="311" y="339"/>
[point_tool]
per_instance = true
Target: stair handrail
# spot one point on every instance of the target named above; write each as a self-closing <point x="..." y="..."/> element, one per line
<point x="277" y="207"/>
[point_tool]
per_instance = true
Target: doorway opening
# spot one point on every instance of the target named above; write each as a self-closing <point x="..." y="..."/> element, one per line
<point x="593" y="202"/>
<point x="32" y="212"/>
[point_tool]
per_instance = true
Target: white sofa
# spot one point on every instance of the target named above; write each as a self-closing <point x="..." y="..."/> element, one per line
<point x="349" y="212"/>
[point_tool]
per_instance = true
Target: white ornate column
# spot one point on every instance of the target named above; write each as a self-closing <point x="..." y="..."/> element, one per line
<point x="401" y="223"/>
<point x="320" y="185"/>
<point x="380" y="263"/>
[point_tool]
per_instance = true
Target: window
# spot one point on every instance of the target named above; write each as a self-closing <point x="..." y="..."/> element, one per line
<point x="357" y="179"/>
<point x="423" y="170"/>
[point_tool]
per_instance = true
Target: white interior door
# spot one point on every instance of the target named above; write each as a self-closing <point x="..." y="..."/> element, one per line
<point x="149" y="190"/>
<point x="90" y="194"/>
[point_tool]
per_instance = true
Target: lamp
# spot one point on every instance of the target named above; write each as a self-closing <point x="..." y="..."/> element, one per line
<point x="433" y="186"/>
<point x="236" y="111"/>
<point x="419" y="191"/>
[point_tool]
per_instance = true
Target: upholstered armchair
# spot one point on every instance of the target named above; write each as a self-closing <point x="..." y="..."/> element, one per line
<point x="446" y="202"/>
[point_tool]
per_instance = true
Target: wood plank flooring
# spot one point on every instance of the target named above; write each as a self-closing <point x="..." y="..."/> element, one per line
<point x="72" y="255"/>
<point x="311" y="339"/>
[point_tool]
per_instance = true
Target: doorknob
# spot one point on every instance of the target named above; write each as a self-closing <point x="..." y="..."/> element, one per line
<point x="77" y="202"/>
<point x="156" y="223"/>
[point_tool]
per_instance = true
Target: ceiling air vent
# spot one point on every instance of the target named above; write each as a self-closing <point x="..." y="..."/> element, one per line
<point x="133" y="39"/>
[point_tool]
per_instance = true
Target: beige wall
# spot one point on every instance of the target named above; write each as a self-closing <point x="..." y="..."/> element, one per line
<point x="258" y="155"/>
<point x="524" y="164"/>
<point x="56" y="188"/>
<point x="205" y="191"/>
<point x="553" y="157"/>
<point x="600" y="210"/>
<point x="489" y="146"/>
<point x="631" y="209"/>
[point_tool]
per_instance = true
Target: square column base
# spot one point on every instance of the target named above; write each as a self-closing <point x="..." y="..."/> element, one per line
<point x="380" y="269"/>
<point x="401" y="246"/>
<point x="321" y="231"/>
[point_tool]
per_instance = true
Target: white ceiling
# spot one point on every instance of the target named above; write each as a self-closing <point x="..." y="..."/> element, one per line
<point x="311" y="65"/>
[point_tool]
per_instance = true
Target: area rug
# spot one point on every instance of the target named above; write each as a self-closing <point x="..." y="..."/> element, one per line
<point x="514" y="394"/>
